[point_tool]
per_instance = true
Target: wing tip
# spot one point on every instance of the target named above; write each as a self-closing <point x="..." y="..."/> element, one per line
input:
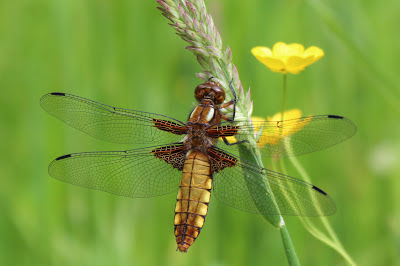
<point x="44" y="97"/>
<point x="329" y="208"/>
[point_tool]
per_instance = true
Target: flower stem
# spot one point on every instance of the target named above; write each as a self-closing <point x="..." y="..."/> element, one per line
<point x="284" y="87"/>
<point x="283" y="95"/>
<point x="287" y="241"/>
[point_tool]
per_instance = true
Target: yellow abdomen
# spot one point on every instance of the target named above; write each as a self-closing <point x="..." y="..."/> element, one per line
<point x="193" y="198"/>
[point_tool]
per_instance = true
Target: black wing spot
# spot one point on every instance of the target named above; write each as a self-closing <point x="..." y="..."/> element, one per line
<point x="319" y="190"/>
<point x="58" y="93"/>
<point x="335" y="116"/>
<point x="63" y="157"/>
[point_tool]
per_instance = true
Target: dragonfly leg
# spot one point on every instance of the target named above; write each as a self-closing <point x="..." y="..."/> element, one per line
<point x="233" y="101"/>
<point x="227" y="118"/>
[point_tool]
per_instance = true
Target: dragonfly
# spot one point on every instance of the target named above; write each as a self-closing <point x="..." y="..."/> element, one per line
<point x="195" y="158"/>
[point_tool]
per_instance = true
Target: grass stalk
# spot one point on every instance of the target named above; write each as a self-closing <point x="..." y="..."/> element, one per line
<point x="195" y="25"/>
<point x="289" y="248"/>
<point x="331" y="239"/>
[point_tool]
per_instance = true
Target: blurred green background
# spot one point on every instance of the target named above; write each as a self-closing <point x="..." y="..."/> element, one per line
<point x="123" y="53"/>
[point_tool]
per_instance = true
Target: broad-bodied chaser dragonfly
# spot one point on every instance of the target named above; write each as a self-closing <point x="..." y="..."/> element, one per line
<point x="189" y="158"/>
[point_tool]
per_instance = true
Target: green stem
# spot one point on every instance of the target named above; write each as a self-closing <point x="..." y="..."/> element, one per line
<point x="289" y="248"/>
<point x="283" y="96"/>
<point x="287" y="241"/>
<point x="250" y="153"/>
<point x="282" y="112"/>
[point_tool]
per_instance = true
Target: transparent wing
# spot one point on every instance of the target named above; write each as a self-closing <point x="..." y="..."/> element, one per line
<point x="245" y="187"/>
<point x="133" y="173"/>
<point x="110" y="123"/>
<point x="294" y="137"/>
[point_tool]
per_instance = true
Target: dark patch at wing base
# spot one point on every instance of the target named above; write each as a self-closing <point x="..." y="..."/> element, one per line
<point x="171" y="154"/>
<point x="220" y="159"/>
<point x="222" y="131"/>
<point x="170" y="126"/>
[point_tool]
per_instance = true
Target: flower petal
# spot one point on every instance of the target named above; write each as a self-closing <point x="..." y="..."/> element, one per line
<point x="261" y="51"/>
<point x="230" y="139"/>
<point x="272" y="135"/>
<point x="292" y="114"/>
<point x="279" y="49"/>
<point x="293" y="128"/>
<point x="275" y="64"/>
<point x="314" y="53"/>
<point x="282" y="49"/>
<point x="295" y="49"/>
<point x="294" y="64"/>
<point x="289" y="114"/>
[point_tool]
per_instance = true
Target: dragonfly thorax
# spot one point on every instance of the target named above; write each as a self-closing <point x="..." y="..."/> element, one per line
<point x="196" y="139"/>
<point x="205" y="114"/>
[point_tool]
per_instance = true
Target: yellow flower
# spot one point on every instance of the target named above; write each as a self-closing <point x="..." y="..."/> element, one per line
<point x="286" y="58"/>
<point x="271" y="134"/>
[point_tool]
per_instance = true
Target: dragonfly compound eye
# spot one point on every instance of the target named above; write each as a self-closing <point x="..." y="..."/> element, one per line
<point x="219" y="95"/>
<point x="200" y="91"/>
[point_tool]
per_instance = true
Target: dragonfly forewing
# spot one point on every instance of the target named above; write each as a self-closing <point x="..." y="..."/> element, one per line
<point x="294" y="137"/>
<point x="113" y="124"/>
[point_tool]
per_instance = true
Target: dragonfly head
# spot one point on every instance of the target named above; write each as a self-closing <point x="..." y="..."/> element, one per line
<point x="210" y="91"/>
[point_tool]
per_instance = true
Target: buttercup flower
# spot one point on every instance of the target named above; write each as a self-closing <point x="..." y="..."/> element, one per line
<point x="272" y="133"/>
<point x="287" y="58"/>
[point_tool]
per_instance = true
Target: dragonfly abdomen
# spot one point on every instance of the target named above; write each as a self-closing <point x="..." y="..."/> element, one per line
<point x="193" y="198"/>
